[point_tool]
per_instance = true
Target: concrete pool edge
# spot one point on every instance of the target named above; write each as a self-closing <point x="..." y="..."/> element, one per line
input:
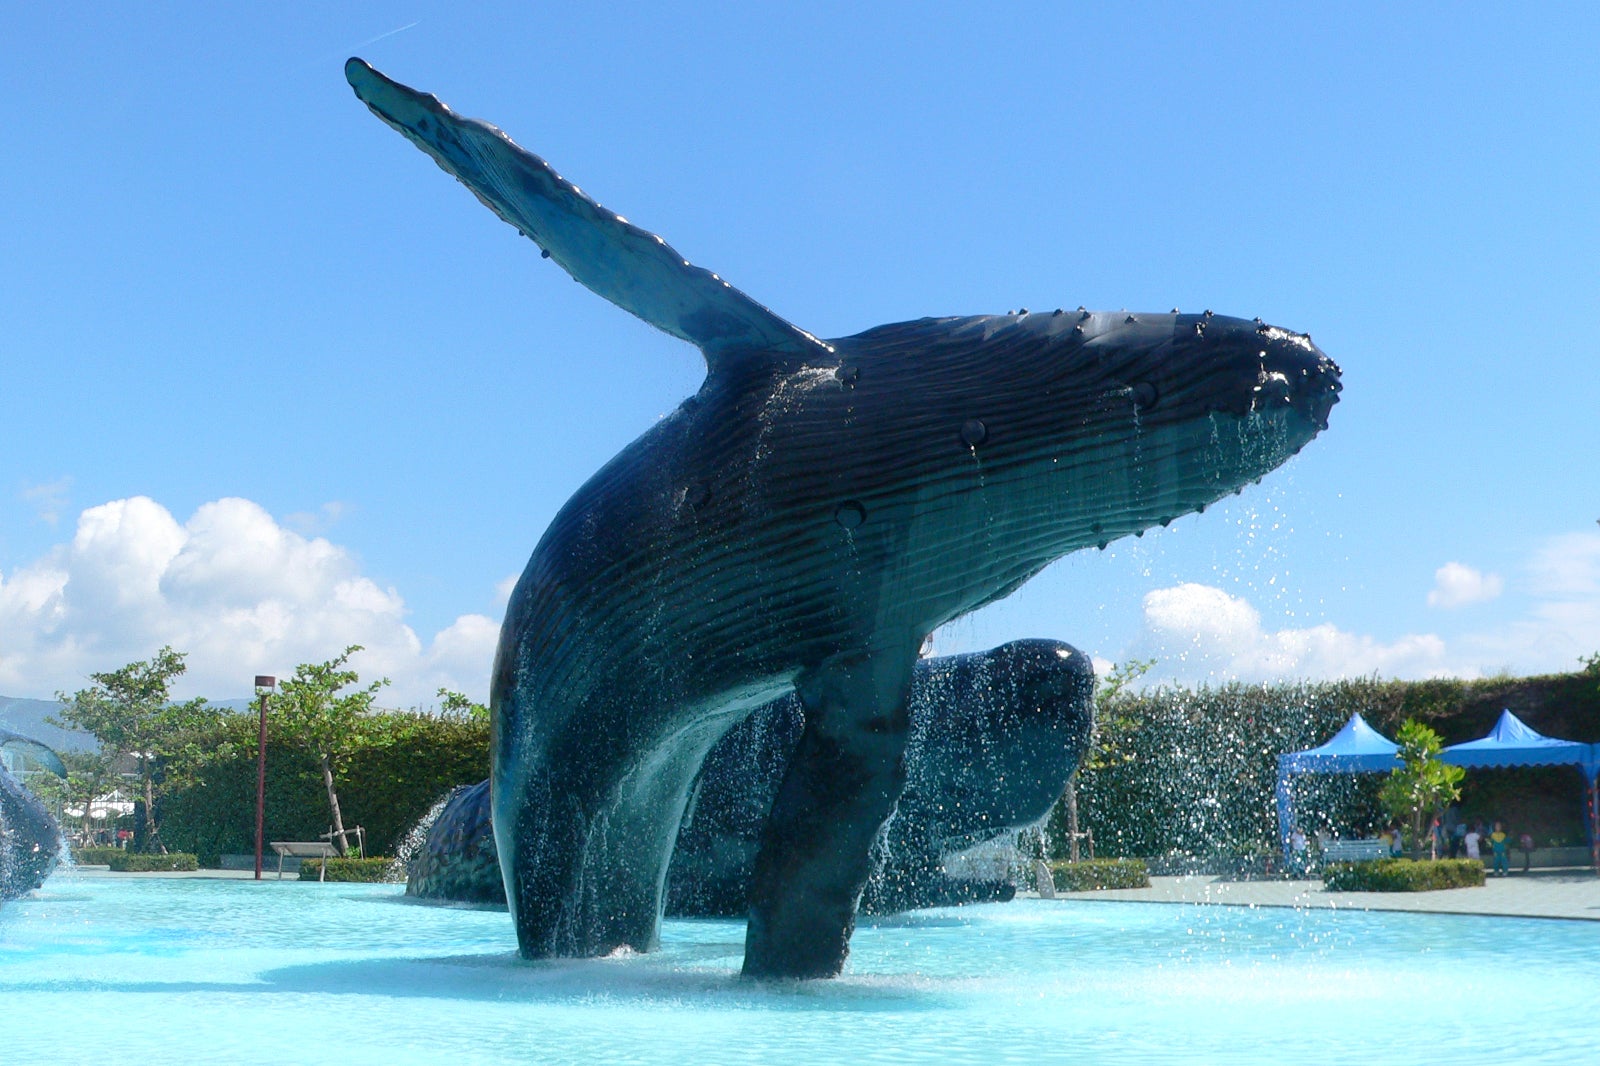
<point x="1563" y="893"/>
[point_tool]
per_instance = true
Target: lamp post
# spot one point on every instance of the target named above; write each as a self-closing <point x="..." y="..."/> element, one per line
<point x="264" y="685"/>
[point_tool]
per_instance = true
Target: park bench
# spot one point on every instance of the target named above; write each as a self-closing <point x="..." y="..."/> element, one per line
<point x="1354" y="850"/>
<point x="305" y="849"/>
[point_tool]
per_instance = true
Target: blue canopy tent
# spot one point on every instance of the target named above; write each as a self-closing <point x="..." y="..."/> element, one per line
<point x="1355" y="749"/>
<point x="1513" y="743"/>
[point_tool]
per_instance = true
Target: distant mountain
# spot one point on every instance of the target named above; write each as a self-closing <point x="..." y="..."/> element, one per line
<point x="28" y="718"/>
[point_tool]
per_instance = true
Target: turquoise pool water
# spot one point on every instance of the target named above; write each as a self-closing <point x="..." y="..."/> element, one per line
<point x="103" y="970"/>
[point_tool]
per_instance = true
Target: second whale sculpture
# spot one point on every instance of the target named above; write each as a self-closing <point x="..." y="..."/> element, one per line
<point x="30" y="839"/>
<point x="801" y="524"/>
<point x="994" y="737"/>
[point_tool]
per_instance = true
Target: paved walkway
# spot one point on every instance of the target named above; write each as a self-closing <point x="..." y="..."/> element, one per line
<point x="1561" y="893"/>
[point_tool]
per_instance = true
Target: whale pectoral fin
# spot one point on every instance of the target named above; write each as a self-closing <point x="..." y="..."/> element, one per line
<point x="634" y="269"/>
<point x="36" y="751"/>
<point x="842" y="784"/>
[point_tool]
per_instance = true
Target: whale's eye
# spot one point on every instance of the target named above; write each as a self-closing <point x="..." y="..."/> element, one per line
<point x="1145" y="395"/>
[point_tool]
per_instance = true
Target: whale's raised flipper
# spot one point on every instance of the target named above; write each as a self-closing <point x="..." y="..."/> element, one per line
<point x="634" y="269"/>
<point x="36" y="751"/>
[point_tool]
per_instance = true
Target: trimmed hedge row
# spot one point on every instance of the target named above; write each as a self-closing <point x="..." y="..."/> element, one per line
<point x="373" y="868"/>
<point x="1192" y="772"/>
<point x="385" y="788"/>
<point x="1402" y="875"/>
<point x="140" y="862"/>
<point x="1093" y="875"/>
<point x="95" y="855"/>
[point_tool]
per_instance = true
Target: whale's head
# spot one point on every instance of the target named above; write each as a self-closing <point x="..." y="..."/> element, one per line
<point x="1056" y="431"/>
<point x="1191" y="408"/>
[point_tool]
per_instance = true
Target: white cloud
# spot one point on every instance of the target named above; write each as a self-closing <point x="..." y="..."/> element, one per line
<point x="1567" y="567"/>
<point x="237" y="591"/>
<point x="1563" y="622"/>
<point x="50" y="498"/>
<point x="321" y="520"/>
<point x="1457" y="585"/>
<point x="1198" y="634"/>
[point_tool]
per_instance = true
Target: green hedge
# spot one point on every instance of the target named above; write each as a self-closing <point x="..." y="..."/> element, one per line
<point x="385" y="789"/>
<point x="139" y="862"/>
<point x="1194" y="770"/>
<point x="96" y="855"/>
<point x="1402" y="875"/>
<point x="1092" y="875"/>
<point x="373" y="868"/>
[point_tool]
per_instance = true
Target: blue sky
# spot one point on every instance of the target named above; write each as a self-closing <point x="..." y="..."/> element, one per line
<point x="273" y="383"/>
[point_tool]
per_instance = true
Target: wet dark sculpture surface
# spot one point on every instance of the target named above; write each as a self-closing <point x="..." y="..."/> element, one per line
<point x="801" y="524"/>
<point x="30" y="839"/>
<point x="994" y="736"/>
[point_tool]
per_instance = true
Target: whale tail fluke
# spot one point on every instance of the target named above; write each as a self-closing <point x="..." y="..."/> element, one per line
<point x="634" y="269"/>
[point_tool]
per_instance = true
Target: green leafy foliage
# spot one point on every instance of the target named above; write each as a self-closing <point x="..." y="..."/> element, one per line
<point x="456" y="705"/>
<point x="315" y="707"/>
<point x="1197" y="767"/>
<point x="1422" y="785"/>
<point x="372" y="868"/>
<point x="129" y="710"/>
<point x="90" y="776"/>
<point x="1402" y="875"/>
<point x="95" y="856"/>
<point x="135" y="862"/>
<point x="1093" y="875"/>
<point x="385" y="786"/>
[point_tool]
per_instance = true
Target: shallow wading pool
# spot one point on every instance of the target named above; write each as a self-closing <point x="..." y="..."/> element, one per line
<point x="114" y="970"/>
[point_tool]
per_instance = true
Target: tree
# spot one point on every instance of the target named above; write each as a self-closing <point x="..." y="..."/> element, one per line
<point x="130" y="711"/>
<point x="1113" y="725"/>
<point x="456" y="705"/>
<point x="1422" y="785"/>
<point x="310" y="706"/>
<point x="91" y="776"/>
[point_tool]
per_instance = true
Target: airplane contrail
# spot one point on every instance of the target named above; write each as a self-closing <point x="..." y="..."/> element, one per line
<point x="391" y="33"/>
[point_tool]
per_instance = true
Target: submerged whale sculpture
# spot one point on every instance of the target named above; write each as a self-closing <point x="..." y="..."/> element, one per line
<point x="30" y="839"/>
<point x="994" y="737"/>
<point x="801" y="524"/>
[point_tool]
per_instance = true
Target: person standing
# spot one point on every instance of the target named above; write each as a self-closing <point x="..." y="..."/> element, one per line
<point x="1500" y="846"/>
<point x="1458" y="839"/>
<point x="1472" y="841"/>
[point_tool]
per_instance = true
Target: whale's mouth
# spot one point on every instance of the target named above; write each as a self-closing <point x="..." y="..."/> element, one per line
<point x="1262" y="371"/>
<point x="1297" y="374"/>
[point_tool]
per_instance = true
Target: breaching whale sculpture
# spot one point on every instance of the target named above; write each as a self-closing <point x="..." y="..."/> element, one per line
<point x="30" y="839"/>
<point x="994" y="736"/>
<point x="801" y="524"/>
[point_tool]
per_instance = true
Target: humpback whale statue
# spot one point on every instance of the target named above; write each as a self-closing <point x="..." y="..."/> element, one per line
<point x="994" y="737"/>
<point x="801" y="524"/>
<point x="30" y="839"/>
